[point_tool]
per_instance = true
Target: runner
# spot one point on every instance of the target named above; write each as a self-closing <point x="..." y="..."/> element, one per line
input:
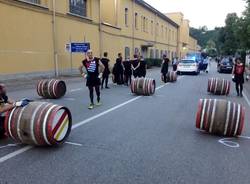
<point x="92" y="76"/>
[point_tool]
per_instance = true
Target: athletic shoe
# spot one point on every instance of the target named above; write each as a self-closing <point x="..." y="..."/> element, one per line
<point x="98" y="103"/>
<point x="91" y="106"/>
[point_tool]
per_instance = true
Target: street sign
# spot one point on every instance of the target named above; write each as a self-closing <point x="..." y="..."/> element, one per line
<point x="80" y="47"/>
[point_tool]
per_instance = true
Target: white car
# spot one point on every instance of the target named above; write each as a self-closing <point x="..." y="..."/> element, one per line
<point x="188" y="66"/>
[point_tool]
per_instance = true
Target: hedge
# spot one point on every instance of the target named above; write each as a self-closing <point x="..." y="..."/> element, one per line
<point x="153" y="62"/>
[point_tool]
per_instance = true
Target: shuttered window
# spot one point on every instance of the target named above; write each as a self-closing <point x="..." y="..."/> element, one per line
<point x="78" y="7"/>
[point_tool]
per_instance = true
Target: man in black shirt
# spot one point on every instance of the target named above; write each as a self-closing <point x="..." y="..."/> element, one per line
<point x="164" y="68"/>
<point x="127" y="71"/>
<point x="135" y="66"/>
<point x="142" y="68"/>
<point x="118" y="70"/>
<point x="106" y="72"/>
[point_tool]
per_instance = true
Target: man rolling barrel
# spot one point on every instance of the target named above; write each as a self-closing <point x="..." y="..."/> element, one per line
<point x="5" y="105"/>
<point x="93" y="76"/>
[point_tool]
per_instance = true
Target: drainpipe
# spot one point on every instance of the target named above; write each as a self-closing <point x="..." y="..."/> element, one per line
<point x="133" y="25"/>
<point x="54" y="38"/>
<point x="100" y="30"/>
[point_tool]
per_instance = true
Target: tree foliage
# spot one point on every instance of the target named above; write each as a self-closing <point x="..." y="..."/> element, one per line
<point x="233" y="38"/>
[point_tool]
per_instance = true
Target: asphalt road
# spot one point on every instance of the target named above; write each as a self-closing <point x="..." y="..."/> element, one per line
<point x="132" y="139"/>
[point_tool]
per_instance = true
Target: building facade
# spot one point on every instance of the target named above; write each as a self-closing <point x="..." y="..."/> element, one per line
<point x="34" y="33"/>
<point x="192" y="44"/>
<point x="186" y="43"/>
<point x="136" y="27"/>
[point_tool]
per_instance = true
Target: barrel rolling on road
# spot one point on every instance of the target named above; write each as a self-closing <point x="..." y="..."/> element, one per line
<point x="51" y="88"/>
<point x="220" y="117"/>
<point x="143" y="86"/>
<point x="171" y="76"/>
<point x="218" y="86"/>
<point x="39" y="123"/>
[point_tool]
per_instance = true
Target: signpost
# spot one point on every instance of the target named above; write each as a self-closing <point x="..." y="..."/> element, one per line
<point x="80" y="47"/>
<point x="76" y="47"/>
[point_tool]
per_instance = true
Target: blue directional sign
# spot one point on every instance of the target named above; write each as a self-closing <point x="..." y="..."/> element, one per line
<point x="80" y="47"/>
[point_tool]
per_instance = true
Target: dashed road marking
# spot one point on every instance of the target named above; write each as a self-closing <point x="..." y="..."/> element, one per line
<point x="78" y="89"/>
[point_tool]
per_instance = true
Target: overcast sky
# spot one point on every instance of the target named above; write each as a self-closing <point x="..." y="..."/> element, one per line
<point x="211" y="13"/>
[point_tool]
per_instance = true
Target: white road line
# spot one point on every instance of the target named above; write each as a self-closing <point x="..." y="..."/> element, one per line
<point x="15" y="153"/>
<point x="9" y="145"/>
<point x="103" y="113"/>
<point x="78" y="89"/>
<point x="246" y="98"/>
<point x="26" y="148"/>
<point x="69" y="99"/>
<point x="73" y="143"/>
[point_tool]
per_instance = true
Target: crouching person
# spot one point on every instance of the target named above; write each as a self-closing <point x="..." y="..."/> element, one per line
<point x="5" y="105"/>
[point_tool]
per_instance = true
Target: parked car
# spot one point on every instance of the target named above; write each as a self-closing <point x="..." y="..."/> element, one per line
<point x="188" y="66"/>
<point x="225" y="65"/>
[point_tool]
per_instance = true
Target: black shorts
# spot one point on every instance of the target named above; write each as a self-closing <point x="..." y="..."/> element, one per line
<point x="93" y="81"/>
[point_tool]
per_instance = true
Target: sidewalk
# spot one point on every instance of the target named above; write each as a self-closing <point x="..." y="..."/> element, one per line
<point x="30" y="83"/>
<point x="247" y="88"/>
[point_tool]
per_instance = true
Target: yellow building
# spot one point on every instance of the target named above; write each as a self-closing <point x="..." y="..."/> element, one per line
<point x="34" y="33"/>
<point x="192" y="44"/>
<point x="133" y="26"/>
<point x="186" y="43"/>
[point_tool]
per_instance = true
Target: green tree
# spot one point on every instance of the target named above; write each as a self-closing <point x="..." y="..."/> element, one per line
<point x="231" y="44"/>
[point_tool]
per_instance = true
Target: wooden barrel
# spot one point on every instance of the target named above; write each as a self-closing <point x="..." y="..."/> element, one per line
<point x="171" y="76"/>
<point x="143" y="86"/>
<point x="39" y="123"/>
<point x="51" y="88"/>
<point x="218" y="86"/>
<point x="220" y="117"/>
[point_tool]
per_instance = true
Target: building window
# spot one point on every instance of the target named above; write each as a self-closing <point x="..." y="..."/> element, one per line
<point x="152" y="27"/>
<point x="136" y="51"/>
<point x="161" y="53"/>
<point x="166" y="52"/>
<point x="136" y="20"/>
<point x="33" y="1"/>
<point x="169" y="35"/>
<point x="162" y="31"/>
<point x="127" y="52"/>
<point x="157" y="29"/>
<point x="144" y="24"/>
<point x="166" y="33"/>
<point x="78" y="7"/>
<point x="172" y="35"/>
<point x="126" y="16"/>
<point x="157" y="54"/>
<point x="151" y="53"/>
